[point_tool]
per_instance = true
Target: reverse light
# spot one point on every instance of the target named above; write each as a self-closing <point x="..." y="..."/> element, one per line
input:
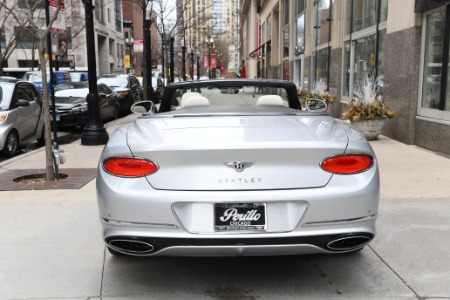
<point x="347" y="163"/>
<point x="129" y="166"/>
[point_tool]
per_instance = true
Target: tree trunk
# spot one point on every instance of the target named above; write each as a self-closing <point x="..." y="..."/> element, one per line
<point x="49" y="163"/>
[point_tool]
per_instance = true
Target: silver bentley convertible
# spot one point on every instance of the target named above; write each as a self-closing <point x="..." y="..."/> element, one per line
<point x="236" y="167"/>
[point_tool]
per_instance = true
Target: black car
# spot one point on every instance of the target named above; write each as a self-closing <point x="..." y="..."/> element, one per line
<point x="72" y="108"/>
<point x="127" y="86"/>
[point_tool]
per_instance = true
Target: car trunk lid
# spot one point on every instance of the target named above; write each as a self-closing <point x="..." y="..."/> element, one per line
<point x="237" y="153"/>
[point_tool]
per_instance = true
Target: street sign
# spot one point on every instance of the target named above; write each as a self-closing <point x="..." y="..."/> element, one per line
<point x="60" y="22"/>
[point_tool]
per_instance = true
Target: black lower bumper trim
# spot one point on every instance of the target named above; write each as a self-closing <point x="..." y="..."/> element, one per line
<point x="319" y="241"/>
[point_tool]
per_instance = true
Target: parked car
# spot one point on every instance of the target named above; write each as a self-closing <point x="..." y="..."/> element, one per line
<point x="228" y="174"/>
<point x="72" y="107"/>
<point x="21" y="114"/>
<point x="36" y="78"/>
<point x="127" y="86"/>
<point x="78" y="76"/>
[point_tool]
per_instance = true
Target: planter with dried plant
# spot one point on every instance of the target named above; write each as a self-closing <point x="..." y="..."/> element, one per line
<point x="318" y="92"/>
<point x="366" y="111"/>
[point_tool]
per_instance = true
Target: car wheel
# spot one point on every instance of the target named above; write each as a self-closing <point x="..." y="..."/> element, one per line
<point x="11" y="144"/>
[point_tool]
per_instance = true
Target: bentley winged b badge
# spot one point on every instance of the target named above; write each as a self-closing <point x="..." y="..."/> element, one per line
<point x="239" y="166"/>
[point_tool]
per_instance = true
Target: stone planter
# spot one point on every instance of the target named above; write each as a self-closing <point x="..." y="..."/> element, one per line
<point x="371" y="129"/>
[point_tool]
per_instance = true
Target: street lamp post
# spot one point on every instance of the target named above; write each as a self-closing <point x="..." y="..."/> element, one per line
<point x="171" y="62"/>
<point x="198" y="64"/>
<point x="94" y="133"/>
<point x="183" y="63"/>
<point x="129" y="44"/>
<point x="192" y="63"/>
<point x="147" y="23"/>
<point x="209" y="56"/>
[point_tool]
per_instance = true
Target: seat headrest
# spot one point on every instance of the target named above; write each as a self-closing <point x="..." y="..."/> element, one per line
<point x="270" y="100"/>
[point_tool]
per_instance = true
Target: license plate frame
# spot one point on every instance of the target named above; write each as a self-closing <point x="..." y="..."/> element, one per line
<point x="240" y="217"/>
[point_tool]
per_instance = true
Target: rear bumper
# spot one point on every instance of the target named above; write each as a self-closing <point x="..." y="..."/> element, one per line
<point x="181" y="223"/>
<point x="173" y="242"/>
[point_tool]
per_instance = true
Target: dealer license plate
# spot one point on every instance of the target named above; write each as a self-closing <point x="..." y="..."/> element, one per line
<point x="240" y="216"/>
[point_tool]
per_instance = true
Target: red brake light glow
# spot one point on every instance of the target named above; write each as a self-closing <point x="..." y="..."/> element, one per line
<point x="129" y="166"/>
<point x="347" y="163"/>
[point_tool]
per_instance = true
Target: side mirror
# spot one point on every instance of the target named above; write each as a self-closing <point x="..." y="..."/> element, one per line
<point x="145" y="107"/>
<point x="22" y="102"/>
<point x="316" y="105"/>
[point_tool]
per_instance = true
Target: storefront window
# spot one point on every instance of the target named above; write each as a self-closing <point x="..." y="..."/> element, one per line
<point x="286" y="42"/>
<point x="322" y="66"/>
<point x="364" y="14"/>
<point x="432" y="75"/>
<point x="361" y="53"/>
<point x="300" y="43"/>
<point x="347" y="69"/>
<point x="384" y="9"/>
<point x="321" y="36"/>
<point x="324" y="17"/>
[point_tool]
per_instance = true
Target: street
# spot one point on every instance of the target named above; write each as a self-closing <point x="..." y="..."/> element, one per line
<point x="51" y="245"/>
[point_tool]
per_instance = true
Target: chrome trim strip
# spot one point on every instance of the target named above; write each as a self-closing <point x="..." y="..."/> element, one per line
<point x="338" y="222"/>
<point x="136" y="224"/>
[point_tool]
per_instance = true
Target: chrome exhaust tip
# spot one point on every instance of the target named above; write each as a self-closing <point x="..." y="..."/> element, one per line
<point x="348" y="243"/>
<point x="131" y="246"/>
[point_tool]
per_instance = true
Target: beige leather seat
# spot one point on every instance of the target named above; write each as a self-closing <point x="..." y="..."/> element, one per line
<point x="270" y="100"/>
<point x="188" y="95"/>
<point x="196" y="101"/>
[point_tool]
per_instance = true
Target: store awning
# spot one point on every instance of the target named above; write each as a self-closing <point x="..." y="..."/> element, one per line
<point x="424" y="5"/>
<point x="255" y="52"/>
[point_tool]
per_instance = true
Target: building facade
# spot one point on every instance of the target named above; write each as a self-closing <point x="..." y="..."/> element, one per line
<point x="108" y="38"/>
<point x="404" y="43"/>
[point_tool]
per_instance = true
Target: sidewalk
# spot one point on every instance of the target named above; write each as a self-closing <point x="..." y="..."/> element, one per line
<point x="51" y="245"/>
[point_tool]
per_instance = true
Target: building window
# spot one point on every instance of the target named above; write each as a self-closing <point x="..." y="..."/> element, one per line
<point x="286" y="31"/>
<point x="300" y="34"/>
<point x="364" y="42"/>
<point x="321" y="40"/>
<point x="435" y="96"/>
<point x="118" y="15"/>
<point x="24" y="39"/>
<point x="99" y="15"/>
<point x="31" y="4"/>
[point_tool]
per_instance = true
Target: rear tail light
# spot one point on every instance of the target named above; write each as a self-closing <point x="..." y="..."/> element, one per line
<point x="347" y="163"/>
<point x="129" y="166"/>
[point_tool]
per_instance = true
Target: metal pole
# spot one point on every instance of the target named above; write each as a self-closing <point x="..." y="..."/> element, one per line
<point x="147" y="52"/>
<point x="94" y="133"/>
<point x="192" y="64"/>
<point x="171" y="63"/>
<point x="162" y="56"/>
<point x="183" y="64"/>
<point x="52" y="77"/>
<point x="209" y="60"/>
<point x="198" y="67"/>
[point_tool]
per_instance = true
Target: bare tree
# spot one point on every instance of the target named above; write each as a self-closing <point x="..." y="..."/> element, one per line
<point x="32" y="19"/>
